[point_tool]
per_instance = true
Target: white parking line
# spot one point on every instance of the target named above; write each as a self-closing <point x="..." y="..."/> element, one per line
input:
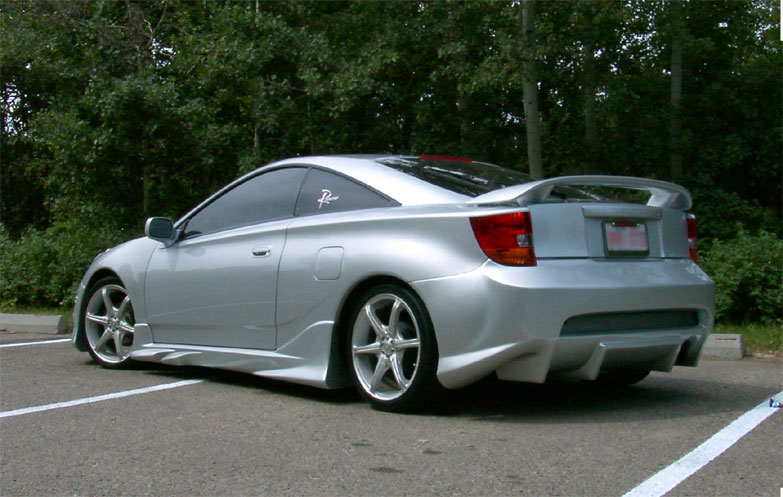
<point x="40" y="342"/>
<point x="99" y="398"/>
<point x="668" y="478"/>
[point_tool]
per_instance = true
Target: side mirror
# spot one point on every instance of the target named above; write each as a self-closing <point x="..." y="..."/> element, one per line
<point x="160" y="229"/>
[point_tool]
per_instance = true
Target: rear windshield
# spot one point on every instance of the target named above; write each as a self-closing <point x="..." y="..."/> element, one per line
<point x="467" y="178"/>
<point x="476" y="178"/>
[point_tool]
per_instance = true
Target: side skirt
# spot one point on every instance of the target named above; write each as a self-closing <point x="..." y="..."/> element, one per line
<point x="307" y="359"/>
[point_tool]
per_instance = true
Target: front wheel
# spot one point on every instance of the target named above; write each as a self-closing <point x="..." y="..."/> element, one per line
<point x="108" y="323"/>
<point x="392" y="351"/>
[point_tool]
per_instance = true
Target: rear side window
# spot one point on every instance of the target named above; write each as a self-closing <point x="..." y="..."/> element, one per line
<point x="325" y="192"/>
<point x="265" y="197"/>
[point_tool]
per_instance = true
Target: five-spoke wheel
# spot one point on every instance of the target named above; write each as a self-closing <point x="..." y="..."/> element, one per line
<point x="108" y="322"/>
<point x="392" y="349"/>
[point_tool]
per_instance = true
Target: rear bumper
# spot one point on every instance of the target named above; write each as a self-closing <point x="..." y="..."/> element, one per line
<point x="510" y="319"/>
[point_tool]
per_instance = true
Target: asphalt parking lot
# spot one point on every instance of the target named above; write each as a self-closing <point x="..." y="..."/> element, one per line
<point x="219" y="433"/>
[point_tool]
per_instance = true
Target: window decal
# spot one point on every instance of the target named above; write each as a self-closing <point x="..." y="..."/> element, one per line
<point x="326" y="198"/>
<point x="322" y="189"/>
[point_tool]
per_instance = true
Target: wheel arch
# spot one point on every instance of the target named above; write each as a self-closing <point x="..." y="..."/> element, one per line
<point x="338" y="363"/>
<point x="80" y="339"/>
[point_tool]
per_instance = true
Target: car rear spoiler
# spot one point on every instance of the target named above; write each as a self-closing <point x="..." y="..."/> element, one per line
<point x="662" y="193"/>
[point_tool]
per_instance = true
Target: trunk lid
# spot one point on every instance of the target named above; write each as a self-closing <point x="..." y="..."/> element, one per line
<point x="575" y="230"/>
<point x="567" y="228"/>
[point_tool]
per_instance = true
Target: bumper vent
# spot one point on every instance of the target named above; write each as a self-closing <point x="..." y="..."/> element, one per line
<point x="592" y="324"/>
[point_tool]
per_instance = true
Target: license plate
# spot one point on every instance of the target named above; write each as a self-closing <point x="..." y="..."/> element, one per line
<point x="626" y="238"/>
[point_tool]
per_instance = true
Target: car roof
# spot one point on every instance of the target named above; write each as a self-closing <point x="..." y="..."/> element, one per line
<point x="404" y="188"/>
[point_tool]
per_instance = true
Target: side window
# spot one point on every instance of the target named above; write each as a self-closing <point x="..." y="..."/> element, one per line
<point x="262" y="198"/>
<point x="325" y="192"/>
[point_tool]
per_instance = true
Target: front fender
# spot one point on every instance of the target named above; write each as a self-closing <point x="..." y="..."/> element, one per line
<point x="127" y="261"/>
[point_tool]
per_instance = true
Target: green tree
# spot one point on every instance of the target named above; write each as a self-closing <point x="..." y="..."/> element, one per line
<point x="118" y="109"/>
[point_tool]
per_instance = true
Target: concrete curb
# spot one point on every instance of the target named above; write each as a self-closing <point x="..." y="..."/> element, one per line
<point x="724" y="346"/>
<point x="34" y="323"/>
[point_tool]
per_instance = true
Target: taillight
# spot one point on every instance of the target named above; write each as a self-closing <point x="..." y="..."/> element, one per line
<point x="506" y="238"/>
<point x="692" y="237"/>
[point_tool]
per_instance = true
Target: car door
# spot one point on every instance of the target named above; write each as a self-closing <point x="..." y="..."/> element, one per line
<point x="217" y="285"/>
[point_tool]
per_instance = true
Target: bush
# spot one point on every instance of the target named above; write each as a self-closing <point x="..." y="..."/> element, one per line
<point x="748" y="271"/>
<point x="711" y="203"/>
<point x="43" y="268"/>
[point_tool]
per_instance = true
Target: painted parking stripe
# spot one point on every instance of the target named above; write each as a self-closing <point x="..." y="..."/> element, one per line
<point x="40" y="342"/>
<point x="99" y="398"/>
<point x="668" y="478"/>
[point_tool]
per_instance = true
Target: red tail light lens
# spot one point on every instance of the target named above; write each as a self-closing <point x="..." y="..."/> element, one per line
<point x="506" y="238"/>
<point x="692" y="237"/>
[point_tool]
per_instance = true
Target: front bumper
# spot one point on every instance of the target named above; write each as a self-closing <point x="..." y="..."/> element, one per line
<point x="510" y="319"/>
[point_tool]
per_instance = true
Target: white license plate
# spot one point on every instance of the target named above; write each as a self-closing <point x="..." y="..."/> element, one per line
<point x="625" y="238"/>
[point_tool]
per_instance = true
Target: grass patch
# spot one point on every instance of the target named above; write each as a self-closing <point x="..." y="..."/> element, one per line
<point x="760" y="338"/>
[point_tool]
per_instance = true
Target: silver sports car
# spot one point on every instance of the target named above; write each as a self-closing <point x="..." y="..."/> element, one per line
<point x="404" y="275"/>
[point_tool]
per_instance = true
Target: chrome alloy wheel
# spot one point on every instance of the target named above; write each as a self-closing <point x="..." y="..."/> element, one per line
<point x="385" y="346"/>
<point x="108" y="323"/>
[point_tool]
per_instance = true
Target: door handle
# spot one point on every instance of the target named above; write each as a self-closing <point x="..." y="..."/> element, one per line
<point x="262" y="251"/>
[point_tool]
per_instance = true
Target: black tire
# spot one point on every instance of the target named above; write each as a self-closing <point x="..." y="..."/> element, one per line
<point x="622" y="377"/>
<point x="392" y="360"/>
<point x="107" y="320"/>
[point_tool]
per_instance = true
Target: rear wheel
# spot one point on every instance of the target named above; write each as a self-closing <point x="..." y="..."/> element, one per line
<point x="108" y="323"/>
<point x="392" y="351"/>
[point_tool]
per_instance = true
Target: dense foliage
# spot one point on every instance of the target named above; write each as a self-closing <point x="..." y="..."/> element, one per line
<point x="114" y="110"/>
<point x="748" y="271"/>
<point x="44" y="267"/>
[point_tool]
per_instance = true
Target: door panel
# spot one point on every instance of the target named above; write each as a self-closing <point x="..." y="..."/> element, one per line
<point x="217" y="289"/>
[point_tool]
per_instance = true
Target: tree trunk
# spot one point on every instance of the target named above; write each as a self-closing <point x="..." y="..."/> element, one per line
<point x="530" y="89"/>
<point x="675" y="129"/>
<point x="465" y="133"/>
<point x="146" y="178"/>
<point x="591" y="133"/>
